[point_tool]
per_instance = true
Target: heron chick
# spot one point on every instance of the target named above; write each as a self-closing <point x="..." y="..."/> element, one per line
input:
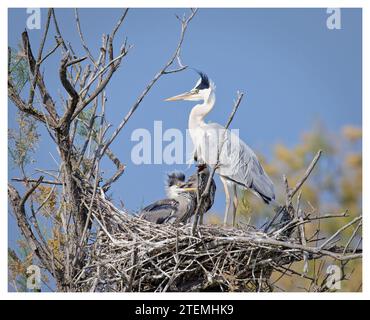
<point x="181" y="203"/>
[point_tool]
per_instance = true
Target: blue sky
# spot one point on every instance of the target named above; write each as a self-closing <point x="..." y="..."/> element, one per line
<point x="292" y="68"/>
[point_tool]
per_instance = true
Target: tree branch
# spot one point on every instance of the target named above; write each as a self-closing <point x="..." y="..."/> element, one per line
<point x="39" y="59"/>
<point x="184" y="26"/>
<point x="21" y="105"/>
<point x="82" y="38"/>
<point x="18" y="205"/>
<point x="306" y="175"/>
<point x="66" y="119"/>
<point x="46" y="98"/>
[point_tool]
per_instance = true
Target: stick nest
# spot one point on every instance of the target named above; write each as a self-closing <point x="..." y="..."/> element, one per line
<point x="126" y="253"/>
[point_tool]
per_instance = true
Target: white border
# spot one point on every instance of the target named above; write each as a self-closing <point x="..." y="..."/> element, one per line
<point x="4" y="294"/>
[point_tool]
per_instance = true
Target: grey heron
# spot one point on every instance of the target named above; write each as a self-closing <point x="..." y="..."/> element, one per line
<point x="181" y="203"/>
<point x="238" y="166"/>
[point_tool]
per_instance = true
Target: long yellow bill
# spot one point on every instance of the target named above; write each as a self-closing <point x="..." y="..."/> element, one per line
<point x="181" y="96"/>
<point x="189" y="189"/>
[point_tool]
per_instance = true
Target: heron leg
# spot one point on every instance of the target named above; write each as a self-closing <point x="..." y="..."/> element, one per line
<point x="227" y="199"/>
<point x="235" y="203"/>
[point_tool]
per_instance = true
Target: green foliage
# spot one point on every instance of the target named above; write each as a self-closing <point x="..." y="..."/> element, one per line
<point x="82" y="127"/>
<point x="18" y="69"/>
<point x="23" y="141"/>
<point x="18" y="262"/>
<point x="17" y="272"/>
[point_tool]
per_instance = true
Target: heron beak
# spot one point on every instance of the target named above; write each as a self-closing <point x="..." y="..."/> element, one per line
<point x="189" y="189"/>
<point x="183" y="96"/>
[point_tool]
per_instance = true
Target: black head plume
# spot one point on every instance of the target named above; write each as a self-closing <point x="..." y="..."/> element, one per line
<point x="174" y="178"/>
<point x="204" y="83"/>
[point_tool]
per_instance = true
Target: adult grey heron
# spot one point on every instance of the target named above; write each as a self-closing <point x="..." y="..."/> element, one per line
<point x="181" y="203"/>
<point x="238" y="166"/>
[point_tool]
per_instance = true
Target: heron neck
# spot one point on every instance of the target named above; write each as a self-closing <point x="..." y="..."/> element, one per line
<point x="199" y="112"/>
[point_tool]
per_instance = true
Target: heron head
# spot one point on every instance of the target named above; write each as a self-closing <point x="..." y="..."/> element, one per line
<point x="176" y="185"/>
<point x="175" y="178"/>
<point x="201" y="90"/>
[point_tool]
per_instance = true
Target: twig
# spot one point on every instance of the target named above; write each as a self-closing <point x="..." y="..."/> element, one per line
<point x="30" y="191"/>
<point x="82" y="38"/>
<point x="50" y="52"/>
<point x="34" y="180"/>
<point x="184" y="26"/>
<point x="352" y="237"/>
<point x="39" y="59"/>
<point x="339" y="231"/>
<point x="306" y="175"/>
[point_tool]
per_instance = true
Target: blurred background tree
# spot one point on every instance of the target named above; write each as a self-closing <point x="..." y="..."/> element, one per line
<point x="334" y="186"/>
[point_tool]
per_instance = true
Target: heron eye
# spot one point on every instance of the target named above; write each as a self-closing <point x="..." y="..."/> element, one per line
<point x="196" y="90"/>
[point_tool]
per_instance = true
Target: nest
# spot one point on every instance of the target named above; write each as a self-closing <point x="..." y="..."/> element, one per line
<point x="126" y="253"/>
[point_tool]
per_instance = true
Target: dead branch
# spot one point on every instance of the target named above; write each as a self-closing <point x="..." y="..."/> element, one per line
<point x="292" y="192"/>
<point x="18" y="206"/>
<point x="78" y="178"/>
<point x="34" y="180"/>
<point x="184" y="26"/>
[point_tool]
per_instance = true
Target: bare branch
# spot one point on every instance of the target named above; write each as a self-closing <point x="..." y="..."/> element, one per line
<point x="26" y="180"/>
<point x="46" y="98"/>
<point x="50" y="52"/>
<point x="30" y="191"/>
<point x="82" y="38"/>
<point x="306" y="175"/>
<point x="100" y="73"/>
<point x="113" y="65"/>
<point x="22" y="106"/>
<point x="59" y="35"/>
<point x="184" y="26"/>
<point x="20" y="213"/>
<point x="119" y="23"/>
<point x="339" y="231"/>
<point x="39" y="59"/>
<point x="114" y="178"/>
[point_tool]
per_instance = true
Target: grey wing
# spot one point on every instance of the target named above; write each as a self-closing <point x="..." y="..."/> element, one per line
<point x="258" y="181"/>
<point x="239" y="164"/>
<point x="247" y="171"/>
<point x="160" y="211"/>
